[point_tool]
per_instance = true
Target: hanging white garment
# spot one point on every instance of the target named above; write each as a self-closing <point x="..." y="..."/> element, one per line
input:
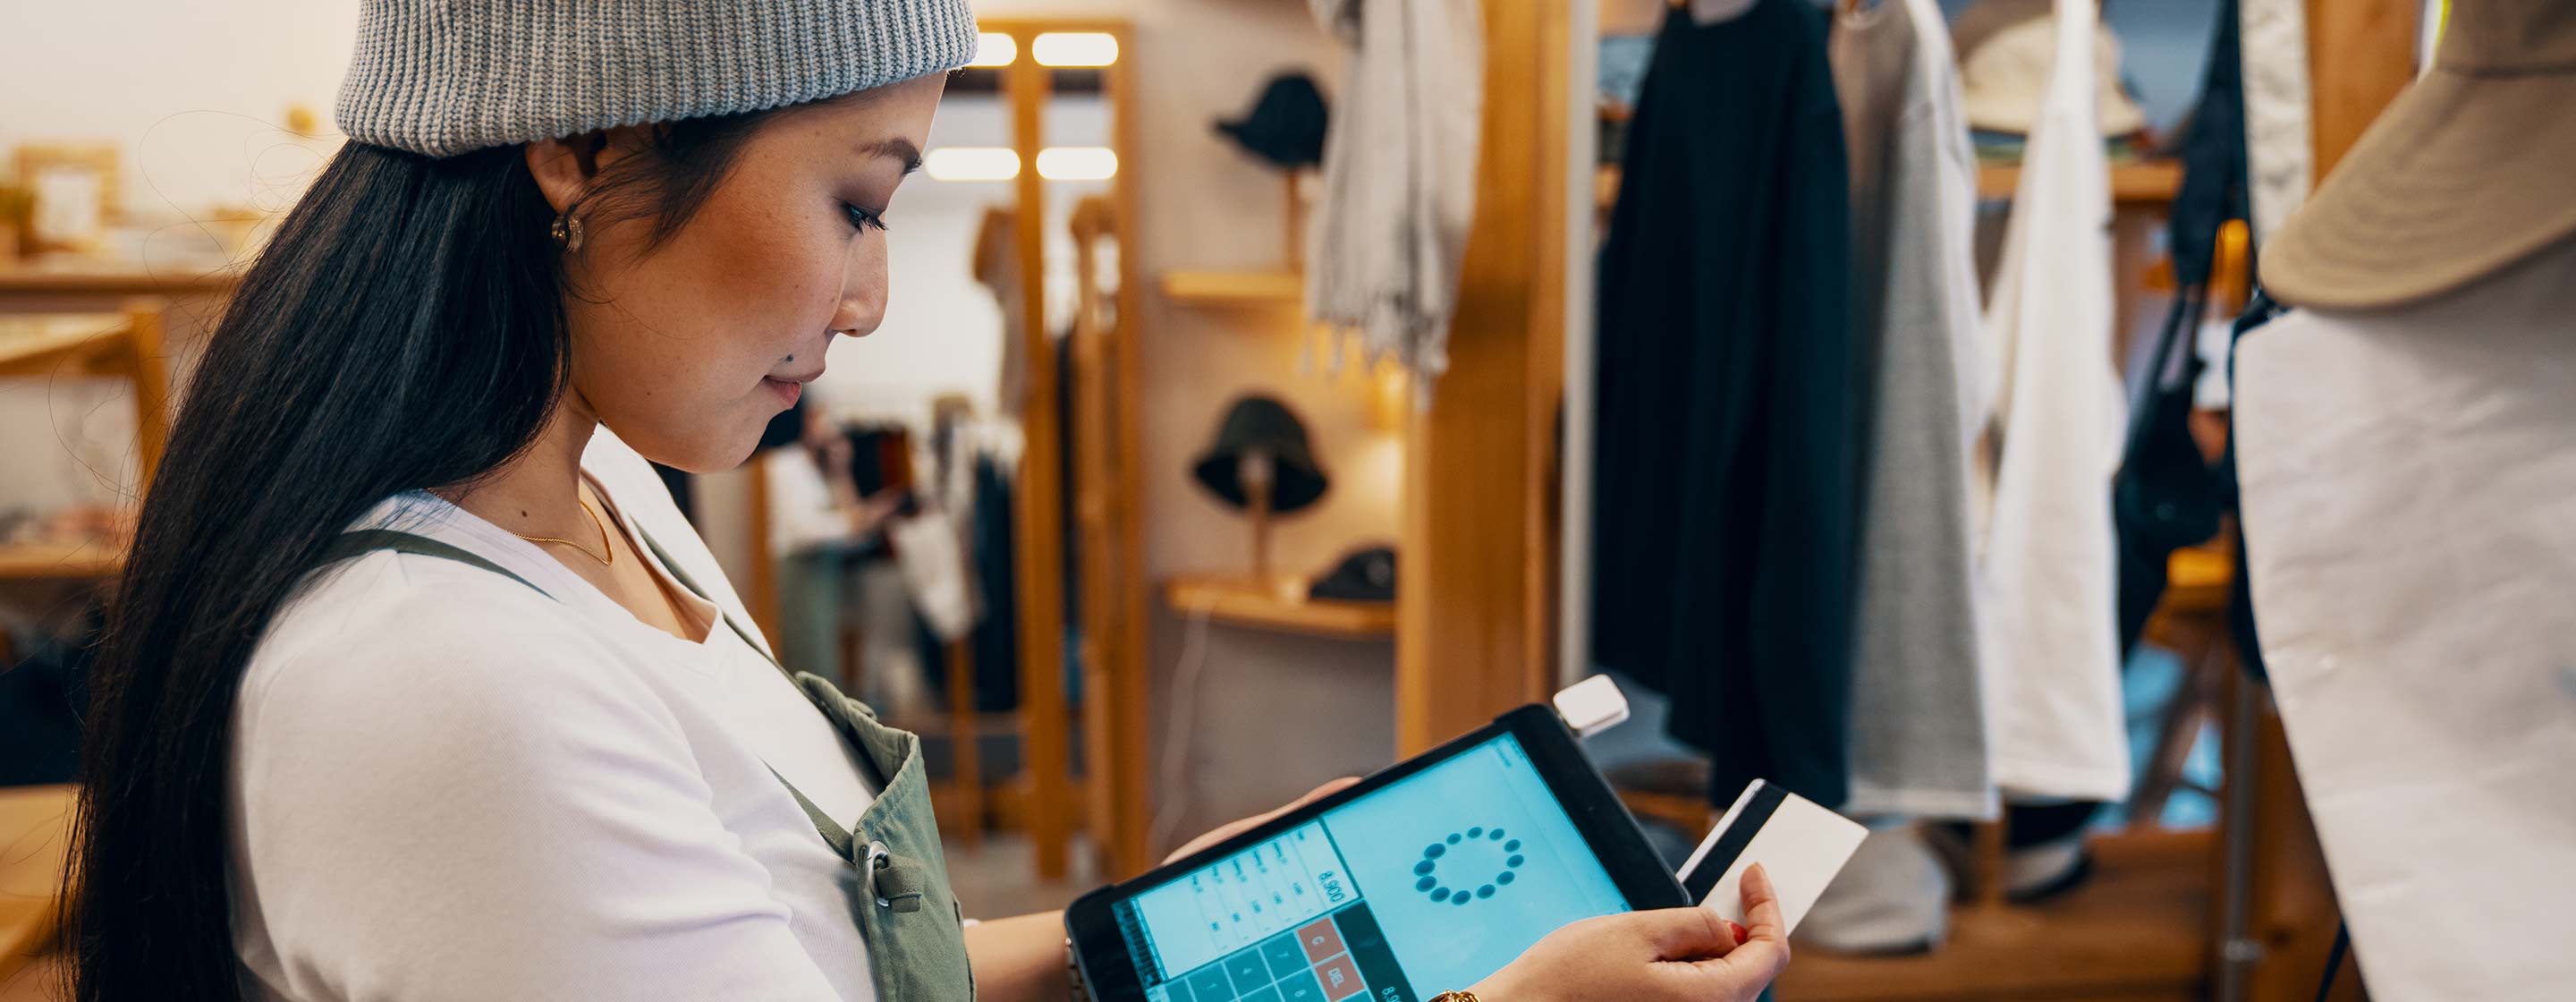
<point x="2278" y="146"/>
<point x="2054" y="674"/>
<point x="2410" y="523"/>
<point x="1918" y="732"/>
<point x="1389" y="230"/>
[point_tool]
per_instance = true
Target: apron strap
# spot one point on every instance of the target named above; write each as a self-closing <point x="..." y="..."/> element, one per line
<point x="877" y="773"/>
<point x="844" y="844"/>
<point x="363" y="541"/>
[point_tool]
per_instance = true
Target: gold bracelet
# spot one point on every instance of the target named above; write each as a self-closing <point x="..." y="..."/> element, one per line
<point x="1073" y="974"/>
<point x="1456" y="997"/>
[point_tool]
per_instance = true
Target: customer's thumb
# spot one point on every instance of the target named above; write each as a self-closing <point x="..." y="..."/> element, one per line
<point x="1685" y="933"/>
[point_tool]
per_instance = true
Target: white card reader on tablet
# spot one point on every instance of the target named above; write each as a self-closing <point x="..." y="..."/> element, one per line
<point x="1801" y="847"/>
<point x="1591" y="706"/>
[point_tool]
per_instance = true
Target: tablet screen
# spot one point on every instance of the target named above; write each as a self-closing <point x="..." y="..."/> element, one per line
<point x="1424" y="886"/>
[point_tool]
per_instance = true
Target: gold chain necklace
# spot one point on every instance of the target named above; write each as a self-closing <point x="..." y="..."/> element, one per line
<point x="609" y="560"/>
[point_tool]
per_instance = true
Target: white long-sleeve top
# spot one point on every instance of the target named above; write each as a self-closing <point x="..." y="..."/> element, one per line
<point x="2049" y="552"/>
<point x="446" y="786"/>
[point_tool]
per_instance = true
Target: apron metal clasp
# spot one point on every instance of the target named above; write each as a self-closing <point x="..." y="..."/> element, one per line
<point x="887" y="882"/>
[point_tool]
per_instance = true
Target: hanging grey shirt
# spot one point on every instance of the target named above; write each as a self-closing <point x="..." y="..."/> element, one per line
<point x="1918" y="725"/>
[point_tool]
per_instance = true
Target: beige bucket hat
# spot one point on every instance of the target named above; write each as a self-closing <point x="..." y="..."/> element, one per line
<point x="2007" y="47"/>
<point x="2472" y="168"/>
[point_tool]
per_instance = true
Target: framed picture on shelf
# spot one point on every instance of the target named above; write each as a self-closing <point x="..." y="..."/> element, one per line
<point x="73" y="193"/>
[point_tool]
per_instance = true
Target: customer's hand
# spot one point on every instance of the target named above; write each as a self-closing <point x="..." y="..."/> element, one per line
<point x="1670" y="955"/>
<point x="1234" y="828"/>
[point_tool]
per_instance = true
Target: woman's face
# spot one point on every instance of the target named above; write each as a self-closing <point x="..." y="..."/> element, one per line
<point x="688" y="350"/>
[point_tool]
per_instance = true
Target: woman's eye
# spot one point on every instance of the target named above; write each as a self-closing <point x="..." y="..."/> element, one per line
<point x="862" y="218"/>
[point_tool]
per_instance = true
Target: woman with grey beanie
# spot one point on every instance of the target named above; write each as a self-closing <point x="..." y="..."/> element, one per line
<point x="416" y="685"/>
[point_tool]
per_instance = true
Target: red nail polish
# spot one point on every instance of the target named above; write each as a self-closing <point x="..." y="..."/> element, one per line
<point x="1741" y="933"/>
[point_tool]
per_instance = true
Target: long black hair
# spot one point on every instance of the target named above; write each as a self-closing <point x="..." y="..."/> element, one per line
<point x="404" y="329"/>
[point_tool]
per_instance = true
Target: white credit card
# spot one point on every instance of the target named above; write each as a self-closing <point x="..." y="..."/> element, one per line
<point x="1801" y="847"/>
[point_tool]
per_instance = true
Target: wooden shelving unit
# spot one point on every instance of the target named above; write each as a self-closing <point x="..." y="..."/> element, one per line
<point x="1235" y="288"/>
<point x="87" y="344"/>
<point x="1249" y="603"/>
<point x="70" y="561"/>
<point x="2138" y="931"/>
<point x="31" y="344"/>
<point x="2142" y="183"/>
<point x="88" y="277"/>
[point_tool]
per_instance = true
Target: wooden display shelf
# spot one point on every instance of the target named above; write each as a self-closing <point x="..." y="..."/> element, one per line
<point x="1235" y="288"/>
<point x="80" y="276"/>
<point x="1249" y="603"/>
<point x="2138" y="931"/>
<point x="2140" y="183"/>
<point x="32" y="344"/>
<point x="70" y="561"/>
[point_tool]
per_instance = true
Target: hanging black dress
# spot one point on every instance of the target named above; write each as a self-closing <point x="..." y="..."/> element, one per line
<point x="1726" y="484"/>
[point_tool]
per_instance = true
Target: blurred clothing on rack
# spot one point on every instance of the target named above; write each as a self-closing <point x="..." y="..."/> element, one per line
<point x="2046" y="538"/>
<point x="1726" y="516"/>
<point x="1389" y="233"/>
<point x="1918" y="717"/>
<point x="2279" y="142"/>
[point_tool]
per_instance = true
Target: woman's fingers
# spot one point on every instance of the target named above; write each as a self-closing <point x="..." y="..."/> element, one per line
<point x="1329" y="788"/>
<point x="1762" y="905"/>
<point x="1766" y="944"/>
<point x="1233" y="828"/>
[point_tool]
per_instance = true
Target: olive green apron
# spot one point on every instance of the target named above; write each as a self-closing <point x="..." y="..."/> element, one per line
<point x="910" y="919"/>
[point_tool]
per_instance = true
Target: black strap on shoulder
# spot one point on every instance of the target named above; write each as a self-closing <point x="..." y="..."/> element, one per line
<point x="843" y="843"/>
<point x="365" y="541"/>
<point x="2334" y="960"/>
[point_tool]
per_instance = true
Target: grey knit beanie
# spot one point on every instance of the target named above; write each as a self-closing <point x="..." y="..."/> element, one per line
<point x="443" y="77"/>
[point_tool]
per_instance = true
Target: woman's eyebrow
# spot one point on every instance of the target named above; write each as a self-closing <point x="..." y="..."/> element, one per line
<point x="899" y="148"/>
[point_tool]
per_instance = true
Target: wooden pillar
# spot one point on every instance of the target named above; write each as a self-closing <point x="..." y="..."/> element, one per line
<point x="1115" y="690"/>
<point x="1040" y="520"/>
<point x="2360" y="54"/>
<point x="1474" y="600"/>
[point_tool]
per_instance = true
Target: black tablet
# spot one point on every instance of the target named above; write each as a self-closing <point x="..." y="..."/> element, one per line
<point x="1423" y="878"/>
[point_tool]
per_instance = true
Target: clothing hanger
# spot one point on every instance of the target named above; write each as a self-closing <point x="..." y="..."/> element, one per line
<point x="1707" y="12"/>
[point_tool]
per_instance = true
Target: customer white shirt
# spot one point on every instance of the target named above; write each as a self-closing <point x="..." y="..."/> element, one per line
<point x="446" y="785"/>
<point x="2409" y="488"/>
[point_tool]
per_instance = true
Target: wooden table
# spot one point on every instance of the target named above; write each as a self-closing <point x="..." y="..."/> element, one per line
<point x="35" y="828"/>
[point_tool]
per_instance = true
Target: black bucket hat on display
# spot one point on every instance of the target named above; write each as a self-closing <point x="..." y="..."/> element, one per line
<point x="1262" y="424"/>
<point x="1286" y="126"/>
<point x="1365" y="575"/>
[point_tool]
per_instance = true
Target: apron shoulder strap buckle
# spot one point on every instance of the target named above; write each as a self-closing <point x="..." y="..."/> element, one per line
<point x="894" y="882"/>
